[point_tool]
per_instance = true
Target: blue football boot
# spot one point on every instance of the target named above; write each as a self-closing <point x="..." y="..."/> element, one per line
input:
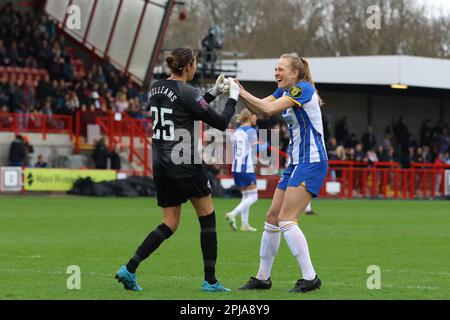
<point x="128" y="279"/>
<point x="217" y="287"/>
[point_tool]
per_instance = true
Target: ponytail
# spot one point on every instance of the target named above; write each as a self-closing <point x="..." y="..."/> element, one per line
<point x="304" y="70"/>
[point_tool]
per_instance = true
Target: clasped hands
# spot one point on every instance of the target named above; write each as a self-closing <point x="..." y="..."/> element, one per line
<point x="228" y="86"/>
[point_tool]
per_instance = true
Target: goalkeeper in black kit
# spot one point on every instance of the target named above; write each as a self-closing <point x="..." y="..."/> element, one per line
<point x="175" y="106"/>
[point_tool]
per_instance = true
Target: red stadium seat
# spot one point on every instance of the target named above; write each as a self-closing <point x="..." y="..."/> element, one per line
<point x="29" y="77"/>
<point x="35" y="74"/>
<point x="17" y="70"/>
<point x="10" y="71"/>
<point x="12" y="75"/>
<point x="20" y="73"/>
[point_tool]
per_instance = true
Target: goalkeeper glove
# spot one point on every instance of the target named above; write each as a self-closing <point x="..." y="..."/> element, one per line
<point x="234" y="89"/>
<point x="218" y="88"/>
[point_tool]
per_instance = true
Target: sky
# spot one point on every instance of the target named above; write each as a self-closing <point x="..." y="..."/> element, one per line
<point x="437" y="5"/>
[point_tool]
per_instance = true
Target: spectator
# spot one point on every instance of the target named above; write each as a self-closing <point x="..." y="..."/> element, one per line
<point x="6" y="119"/>
<point x="67" y="69"/>
<point x="44" y="89"/>
<point x="372" y="156"/>
<point x="418" y="156"/>
<point x="406" y="162"/>
<point x="73" y="103"/>
<point x="4" y="97"/>
<point x="28" y="96"/>
<point x="368" y="139"/>
<point x="95" y="99"/>
<point x="446" y="157"/>
<point x="132" y="92"/>
<point x="331" y="149"/>
<point x="340" y="153"/>
<point x="122" y="102"/>
<point x="437" y="130"/>
<point x="4" y="57"/>
<point x="351" y="142"/>
<point x="342" y="131"/>
<point x="15" y="101"/>
<point x="359" y="153"/>
<point x="427" y="156"/>
<point x="380" y="152"/>
<point x="41" y="162"/>
<point x="115" y="157"/>
<point x="388" y="154"/>
<point x="443" y="141"/>
<point x="425" y="133"/>
<point x="29" y="149"/>
<point x="350" y="154"/>
<point x="401" y="133"/>
<point x="17" y="152"/>
<point x="100" y="154"/>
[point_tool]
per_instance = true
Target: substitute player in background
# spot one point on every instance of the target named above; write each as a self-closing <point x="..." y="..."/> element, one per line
<point x="174" y="106"/>
<point x="297" y="98"/>
<point x="244" y="139"/>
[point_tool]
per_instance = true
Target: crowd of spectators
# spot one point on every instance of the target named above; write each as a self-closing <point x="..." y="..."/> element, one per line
<point x="396" y="145"/>
<point x="30" y="41"/>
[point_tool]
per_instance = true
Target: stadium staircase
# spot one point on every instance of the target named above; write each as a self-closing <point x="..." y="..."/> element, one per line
<point x="133" y="135"/>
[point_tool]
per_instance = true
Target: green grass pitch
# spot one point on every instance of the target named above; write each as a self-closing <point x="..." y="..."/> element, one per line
<point x="41" y="236"/>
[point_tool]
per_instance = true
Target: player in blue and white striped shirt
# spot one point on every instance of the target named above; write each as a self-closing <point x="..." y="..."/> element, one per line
<point x="297" y="99"/>
<point x="245" y="141"/>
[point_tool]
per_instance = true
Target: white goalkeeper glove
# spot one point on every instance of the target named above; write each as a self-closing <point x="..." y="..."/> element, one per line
<point x="226" y="86"/>
<point x="234" y="89"/>
<point x="218" y="88"/>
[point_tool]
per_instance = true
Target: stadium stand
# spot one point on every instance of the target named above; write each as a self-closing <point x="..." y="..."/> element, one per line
<point x="42" y="80"/>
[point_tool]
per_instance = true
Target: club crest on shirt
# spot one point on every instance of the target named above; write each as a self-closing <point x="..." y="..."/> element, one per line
<point x="296" y="91"/>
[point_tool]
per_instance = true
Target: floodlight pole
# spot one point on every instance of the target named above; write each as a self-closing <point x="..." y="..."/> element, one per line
<point x="159" y="42"/>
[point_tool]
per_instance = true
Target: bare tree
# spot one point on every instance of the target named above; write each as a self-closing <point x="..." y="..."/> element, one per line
<point x="264" y="28"/>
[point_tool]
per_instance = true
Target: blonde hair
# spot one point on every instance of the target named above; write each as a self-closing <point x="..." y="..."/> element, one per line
<point x="244" y="116"/>
<point x="303" y="67"/>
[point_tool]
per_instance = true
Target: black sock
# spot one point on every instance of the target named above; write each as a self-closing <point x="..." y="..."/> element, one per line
<point x="208" y="241"/>
<point x="150" y="244"/>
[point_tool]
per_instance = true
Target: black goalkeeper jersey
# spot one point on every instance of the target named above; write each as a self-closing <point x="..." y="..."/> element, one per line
<point x="174" y="107"/>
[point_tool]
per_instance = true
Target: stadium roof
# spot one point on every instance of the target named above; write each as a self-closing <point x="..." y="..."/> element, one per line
<point x="362" y="70"/>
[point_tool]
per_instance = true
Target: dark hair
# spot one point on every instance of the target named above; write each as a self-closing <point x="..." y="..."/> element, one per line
<point x="180" y="58"/>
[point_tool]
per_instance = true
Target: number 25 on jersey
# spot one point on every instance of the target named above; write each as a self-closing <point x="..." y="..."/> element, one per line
<point x="165" y="125"/>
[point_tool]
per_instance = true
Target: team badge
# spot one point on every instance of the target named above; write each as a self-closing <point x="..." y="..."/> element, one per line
<point x="296" y="92"/>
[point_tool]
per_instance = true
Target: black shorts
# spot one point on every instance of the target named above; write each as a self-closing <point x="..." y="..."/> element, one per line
<point x="172" y="192"/>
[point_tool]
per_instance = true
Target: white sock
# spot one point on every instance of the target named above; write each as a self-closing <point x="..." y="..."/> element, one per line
<point x="296" y="242"/>
<point x="240" y="206"/>
<point x="308" y="207"/>
<point x="270" y="243"/>
<point x="252" y="197"/>
<point x="244" y="216"/>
